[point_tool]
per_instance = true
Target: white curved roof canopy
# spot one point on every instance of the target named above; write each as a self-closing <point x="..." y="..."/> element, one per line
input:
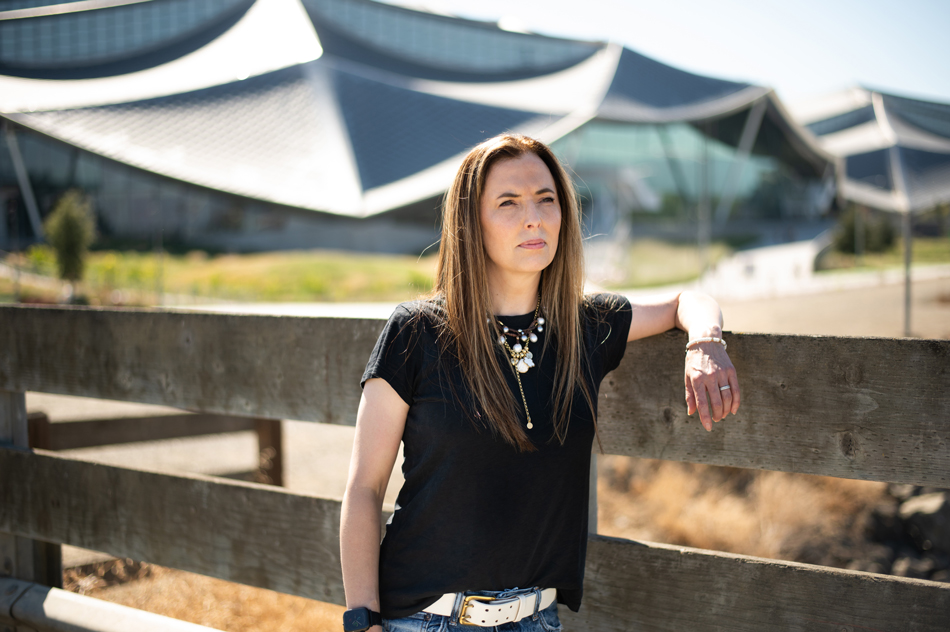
<point x="335" y="110"/>
<point x="896" y="150"/>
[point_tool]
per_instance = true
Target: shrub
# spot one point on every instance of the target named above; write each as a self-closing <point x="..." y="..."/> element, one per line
<point x="878" y="232"/>
<point x="41" y="259"/>
<point x="70" y="230"/>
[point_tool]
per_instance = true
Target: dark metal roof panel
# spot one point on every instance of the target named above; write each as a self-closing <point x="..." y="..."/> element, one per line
<point x="927" y="115"/>
<point x="842" y="122"/>
<point x="645" y="81"/>
<point x="397" y="132"/>
<point x="115" y="40"/>
<point x="430" y="46"/>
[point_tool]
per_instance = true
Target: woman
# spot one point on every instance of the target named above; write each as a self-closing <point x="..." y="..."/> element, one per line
<point x="491" y="384"/>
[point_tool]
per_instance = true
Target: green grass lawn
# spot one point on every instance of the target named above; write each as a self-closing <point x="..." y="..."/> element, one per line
<point x="651" y="263"/>
<point x="321" y="275"/>
<point x="316" y="275"/>
<point x="924" y="250"/>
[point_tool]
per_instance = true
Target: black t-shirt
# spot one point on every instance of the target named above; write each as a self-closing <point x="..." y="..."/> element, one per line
<point x="474" y="512"/>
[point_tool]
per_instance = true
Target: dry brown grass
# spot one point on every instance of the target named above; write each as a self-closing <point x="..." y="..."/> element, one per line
<point x="777" y="515"/>
<point x="797" y="517"/>
<point x="203" y="600"/>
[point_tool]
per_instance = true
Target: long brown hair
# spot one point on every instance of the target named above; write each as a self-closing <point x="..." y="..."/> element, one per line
<point x="462" y="288"/>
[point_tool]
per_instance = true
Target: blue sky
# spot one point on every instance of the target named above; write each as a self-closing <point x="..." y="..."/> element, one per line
<point x="802" y="48"/>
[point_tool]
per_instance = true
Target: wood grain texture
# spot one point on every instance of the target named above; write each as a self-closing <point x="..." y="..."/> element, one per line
<point x="98" y="432"/>
<point x="20" y="557"/>
<point x="263" y="536"/>
<point x="276" y="367"/>
<point x="14" y="424"/>
<point x="642" y="586"/>
<point x="873" y="409"/>
<point x="253" y="534"/>
<point x="864" y="408"/>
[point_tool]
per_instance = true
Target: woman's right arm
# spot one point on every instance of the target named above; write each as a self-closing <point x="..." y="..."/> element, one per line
<point x="379" y="425"/>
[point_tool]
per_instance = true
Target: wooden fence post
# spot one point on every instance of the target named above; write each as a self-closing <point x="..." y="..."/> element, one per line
<point x="22" y="558"/>
<point x="39" y="431"/>
<point x="271" y="453"/>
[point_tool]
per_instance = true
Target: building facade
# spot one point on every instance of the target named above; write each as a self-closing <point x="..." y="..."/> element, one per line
<point x="274" y="124"/>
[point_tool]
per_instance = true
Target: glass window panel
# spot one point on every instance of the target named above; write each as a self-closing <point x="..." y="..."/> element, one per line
<point x="104" y="33"/>
<point x="437" y="42"/>
<point x="634" y="162"/>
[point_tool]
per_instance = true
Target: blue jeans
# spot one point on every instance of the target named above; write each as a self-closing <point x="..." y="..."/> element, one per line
<point x="545" y="621"/>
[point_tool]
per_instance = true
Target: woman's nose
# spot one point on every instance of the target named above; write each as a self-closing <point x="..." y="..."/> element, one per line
<point x="532" y="215"/>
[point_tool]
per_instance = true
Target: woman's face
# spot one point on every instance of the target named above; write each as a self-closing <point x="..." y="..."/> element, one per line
<point x="520" y="217"/>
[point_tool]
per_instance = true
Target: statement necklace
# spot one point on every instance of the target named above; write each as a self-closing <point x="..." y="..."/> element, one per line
<point x="521" y="358"/>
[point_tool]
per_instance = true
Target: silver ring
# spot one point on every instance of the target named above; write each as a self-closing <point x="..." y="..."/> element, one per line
<point x="725" y="388"/>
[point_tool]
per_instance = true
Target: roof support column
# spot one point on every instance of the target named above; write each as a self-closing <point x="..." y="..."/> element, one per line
<point x="23" y="179"/>
<point x="860" y="213"/>
<point x="908" y="246"/>
<point x="902" y="202"/>
<point x="750" y="132"/>
<point x="679" y="178"/>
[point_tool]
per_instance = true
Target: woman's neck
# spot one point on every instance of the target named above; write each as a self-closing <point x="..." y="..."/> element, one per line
<point x="514" y="296"/>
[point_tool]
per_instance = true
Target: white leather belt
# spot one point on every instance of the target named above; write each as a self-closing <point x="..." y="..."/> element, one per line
<point x="490" y="611"/>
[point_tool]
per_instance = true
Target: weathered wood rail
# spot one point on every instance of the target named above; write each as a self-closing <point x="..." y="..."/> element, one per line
<point x="118" y="430"/>
<point x="872" y="409"/>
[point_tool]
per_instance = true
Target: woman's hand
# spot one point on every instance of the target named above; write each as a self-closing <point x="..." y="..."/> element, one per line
<point x="711" y="382"/>
<point x="708" y="368"/>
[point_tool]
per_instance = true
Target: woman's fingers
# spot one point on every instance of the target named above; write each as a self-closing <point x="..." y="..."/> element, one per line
<point x="702" y="406"/>
<point x="707" y="372"/>
<point x="734" y="389"/>
<point x="704" y="398"/>
<point x="690" y="400"/>
<point x="726" y="396"/>
<point x="715" y="399"/>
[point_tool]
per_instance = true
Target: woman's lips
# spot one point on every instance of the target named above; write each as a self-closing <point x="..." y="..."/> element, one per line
<point x="533" y="244"/>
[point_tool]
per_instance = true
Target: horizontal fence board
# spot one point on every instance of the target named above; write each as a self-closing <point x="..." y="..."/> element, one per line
<point x="252" y="534"/>
<point x="278" y="367"/>
<point x="99" y="432"/>
<point x="873" y="409"/>
<point x="642" y="586"/>
<point x="274" y="539"/>
<point x="864" y="408"/>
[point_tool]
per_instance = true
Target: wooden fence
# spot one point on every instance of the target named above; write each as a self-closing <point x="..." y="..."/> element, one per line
<point x="871" y="409"/>
<point x="119" y="430"/>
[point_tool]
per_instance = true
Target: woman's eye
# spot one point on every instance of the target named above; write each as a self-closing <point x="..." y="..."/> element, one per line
<point x="547" y="199"/>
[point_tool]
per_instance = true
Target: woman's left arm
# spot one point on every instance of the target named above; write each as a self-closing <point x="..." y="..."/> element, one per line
<point x="710" y="378"/>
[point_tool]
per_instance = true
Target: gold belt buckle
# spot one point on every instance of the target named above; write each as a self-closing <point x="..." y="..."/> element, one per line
<point x="463" y="618"/>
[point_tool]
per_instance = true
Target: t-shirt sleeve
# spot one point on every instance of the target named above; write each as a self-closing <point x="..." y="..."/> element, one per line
<point x="609" y="321"/>
<point x="395" y="358"/>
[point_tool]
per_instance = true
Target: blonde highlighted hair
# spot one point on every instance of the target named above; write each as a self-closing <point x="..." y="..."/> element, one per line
<point x="462" y="290"/>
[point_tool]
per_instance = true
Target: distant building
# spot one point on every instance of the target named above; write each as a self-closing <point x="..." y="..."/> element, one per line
<point x="896" y="150"/>
<point x="274" y="124"/>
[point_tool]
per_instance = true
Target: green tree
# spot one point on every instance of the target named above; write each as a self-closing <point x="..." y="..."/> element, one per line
<point x="879" y="233"/>
<point x="70" y="230"/>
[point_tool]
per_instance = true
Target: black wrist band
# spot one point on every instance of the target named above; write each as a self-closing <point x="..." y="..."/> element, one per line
<point x="359" y="619"/>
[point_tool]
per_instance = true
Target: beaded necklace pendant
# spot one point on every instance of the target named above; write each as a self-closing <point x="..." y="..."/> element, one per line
<point x="521" y="358"/>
